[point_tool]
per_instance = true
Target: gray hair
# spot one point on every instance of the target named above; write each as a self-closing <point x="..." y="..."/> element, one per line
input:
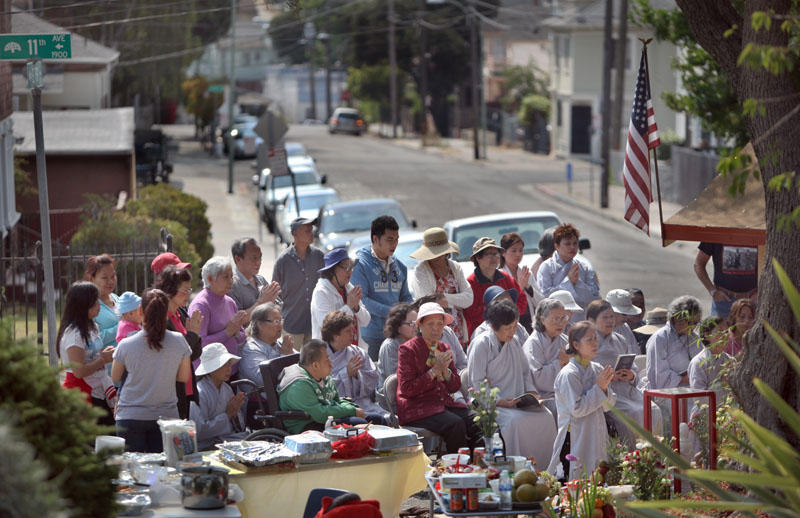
<point x="240" y="245"/>
<point x="543" y="310"/>
<point x="261" y="313"/>
<point x="213" y="267"/>
<point x="683" y="306"/>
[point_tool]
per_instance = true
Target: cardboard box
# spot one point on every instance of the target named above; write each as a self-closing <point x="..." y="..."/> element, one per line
<point x="463" y="480"/>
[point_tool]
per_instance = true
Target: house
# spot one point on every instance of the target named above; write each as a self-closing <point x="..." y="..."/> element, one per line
<point x="88" y="151"/>
<point x="82" y="82"/>
<point x="576" y="77"/>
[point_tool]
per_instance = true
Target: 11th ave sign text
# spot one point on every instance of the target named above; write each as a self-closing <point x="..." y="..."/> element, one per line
<point x="35" y="46"/>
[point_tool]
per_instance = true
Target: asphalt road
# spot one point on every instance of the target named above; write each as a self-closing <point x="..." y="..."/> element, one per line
<point x="434" y="188"/>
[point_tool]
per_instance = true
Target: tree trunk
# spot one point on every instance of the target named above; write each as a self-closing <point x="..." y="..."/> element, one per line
<point x="777" y="146"/>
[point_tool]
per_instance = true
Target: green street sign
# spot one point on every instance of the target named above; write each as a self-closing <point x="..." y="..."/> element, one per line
<point x="35" y="46"/>
<point x="216" y="89"/>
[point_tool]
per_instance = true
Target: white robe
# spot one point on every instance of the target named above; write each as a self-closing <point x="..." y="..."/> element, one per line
<point x="668" y="357"/>
<point x="360" y="389"/>
<point x="704" y="373"/>
<point x="581" y="404"/>
<point x="208" y="414"/>
<point x="542" y="354"/>
<point x="529" y="433"/>
<point x="326" y="298"/>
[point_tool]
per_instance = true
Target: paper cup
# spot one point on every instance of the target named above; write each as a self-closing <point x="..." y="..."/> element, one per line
<point x="108" y="442"/>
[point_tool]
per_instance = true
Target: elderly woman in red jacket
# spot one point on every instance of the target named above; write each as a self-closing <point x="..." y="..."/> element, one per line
<point x="426" y="378"/>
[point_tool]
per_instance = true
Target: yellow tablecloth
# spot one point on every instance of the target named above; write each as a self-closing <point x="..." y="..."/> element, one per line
<point x="387" y="479"/>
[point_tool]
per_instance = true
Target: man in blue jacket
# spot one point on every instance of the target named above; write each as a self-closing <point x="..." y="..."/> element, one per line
<point x="383" y="279"/>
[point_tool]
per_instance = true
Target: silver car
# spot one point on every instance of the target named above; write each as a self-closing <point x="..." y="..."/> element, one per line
<point x="273" y="190"/>
<point x="311" y="199"/>
<point x="346" y="120"/>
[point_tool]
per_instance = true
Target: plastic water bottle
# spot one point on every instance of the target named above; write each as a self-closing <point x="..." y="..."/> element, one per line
<point x="505" y="490"/>
<point x="497" y="446"/>
<point x="329" y="422"/>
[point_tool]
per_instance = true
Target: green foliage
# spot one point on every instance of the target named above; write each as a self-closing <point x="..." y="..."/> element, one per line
<point x="59" y="425"/>
<point x="370" y="85"/>
<point x="163" y="201"/>
<point x="646" y="469"/>
<point x="771" y="477"/>
<point x="485" y="403"/>
<point x="521" y="82"/>
<point x="286" y="31"/>
<point x="199" y="101"/>
<point x="709" y="94"/>
<point x="534" y="106"/>
<point x="24" y="488"/>
<point x="24" y="186"/>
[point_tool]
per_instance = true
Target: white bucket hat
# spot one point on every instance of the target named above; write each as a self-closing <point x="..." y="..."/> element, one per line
<point x="565" y="298"/>
<point x="432" y="308"/>
<point x="621" y="302"/>
<point x="214" y="356"/>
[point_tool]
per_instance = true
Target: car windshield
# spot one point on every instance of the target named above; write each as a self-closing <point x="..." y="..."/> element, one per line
<point x="310" y="201"/>
<point x="295" y="150"/>
<point x="357" y="219"/>
<point x="530" y="229"/>
<point x="348" y="115"/>
<point x="305" y="178"/>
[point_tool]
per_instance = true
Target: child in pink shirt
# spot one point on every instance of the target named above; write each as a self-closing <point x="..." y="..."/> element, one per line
<point x="130" y="312"/>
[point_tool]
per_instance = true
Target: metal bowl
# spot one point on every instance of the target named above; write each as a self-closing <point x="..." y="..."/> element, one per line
<point x="204" y="487"/>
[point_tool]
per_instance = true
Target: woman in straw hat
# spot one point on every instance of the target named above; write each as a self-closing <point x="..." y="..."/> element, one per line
<point x="436" y="273"/>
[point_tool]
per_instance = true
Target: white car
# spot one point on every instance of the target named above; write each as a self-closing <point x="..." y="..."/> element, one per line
<point x="311" y="199"/>
<point x="406" y="245"/>
<point x="273" y="190"/>
<point x="297" y="154"/>
<point x="529" y="225"/>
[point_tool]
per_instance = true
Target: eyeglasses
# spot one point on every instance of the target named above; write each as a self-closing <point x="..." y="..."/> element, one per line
<point x="565" y="318"/>
<point x="409" y="322"/>
<point x="187" y="291"/>
<point x="276" y="321"/>
<point x="347" y="269"/>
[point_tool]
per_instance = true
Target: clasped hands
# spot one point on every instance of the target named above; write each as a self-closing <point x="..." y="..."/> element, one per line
<point x="441" y="365"/>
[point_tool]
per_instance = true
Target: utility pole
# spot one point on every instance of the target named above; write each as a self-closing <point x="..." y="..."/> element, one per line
<point x="326" y="40"/>
<point x="392" y="70"/>
<point x="476" y="110"/>
<point x="231" y="96"/>
<point x="620" y="55"/>
<point x="309" y="35"/>
<point x="423" y="74"/>
<point x="605" y="108"/>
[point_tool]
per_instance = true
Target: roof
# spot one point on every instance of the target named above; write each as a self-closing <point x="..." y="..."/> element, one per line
<point x="77" y="132"/>
<point x="501" y="217"/>
<point x="592" y="16"/>
<point x="717" y="217"/>
<point x="373" y="202"/>
<point x="84" y="50"/>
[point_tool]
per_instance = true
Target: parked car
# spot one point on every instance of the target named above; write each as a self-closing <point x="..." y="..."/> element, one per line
<point x="245" y="140"/>
<point x="273" y="190"/>
<point x="407" y="243"/>
<point x="529" y="225"/>
<point x="311" y="199"/>
<point x="296" y="154"/>
<point x="340" y="223"/>
<point x="346" y="120"/>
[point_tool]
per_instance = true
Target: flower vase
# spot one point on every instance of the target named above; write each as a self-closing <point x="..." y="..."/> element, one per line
<point x="488" y="455"/>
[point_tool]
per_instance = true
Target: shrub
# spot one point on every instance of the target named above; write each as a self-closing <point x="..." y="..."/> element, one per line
<point x="58" y="424"/>
<point x="163" y="201"/>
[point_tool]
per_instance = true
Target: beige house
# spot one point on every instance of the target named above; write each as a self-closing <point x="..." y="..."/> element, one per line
<point x="576" y="73"/>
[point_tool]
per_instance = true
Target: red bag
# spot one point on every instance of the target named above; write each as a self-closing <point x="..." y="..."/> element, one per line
<point x="352" y="509"/>
<point x="353" y="447"/>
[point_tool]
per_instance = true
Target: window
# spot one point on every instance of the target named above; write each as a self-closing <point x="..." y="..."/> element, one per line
<point x="559" y="109"/>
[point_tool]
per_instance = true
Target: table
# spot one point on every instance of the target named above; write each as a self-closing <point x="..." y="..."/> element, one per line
<point x="485" y="512"/>
<point x="177" y="511"/>
<point x="390" y="480"/>
<point x="679" y="398"/>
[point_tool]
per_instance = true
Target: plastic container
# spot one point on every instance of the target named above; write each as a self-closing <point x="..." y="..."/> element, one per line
<point x="312" y="447"/>
<point x="497" y="445"/>
<point x="504" y="489"/>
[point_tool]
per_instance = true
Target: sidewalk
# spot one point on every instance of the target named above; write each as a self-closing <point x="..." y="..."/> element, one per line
<point x="582" y="192"/>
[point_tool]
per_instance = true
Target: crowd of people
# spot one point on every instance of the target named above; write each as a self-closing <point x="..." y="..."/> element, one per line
<point x="365" y="323"/>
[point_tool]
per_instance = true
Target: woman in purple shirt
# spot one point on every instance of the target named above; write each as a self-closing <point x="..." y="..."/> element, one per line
<point x="222" y="322"/>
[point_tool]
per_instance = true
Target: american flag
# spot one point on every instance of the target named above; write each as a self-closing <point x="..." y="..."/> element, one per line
<point x="642" y="137"/>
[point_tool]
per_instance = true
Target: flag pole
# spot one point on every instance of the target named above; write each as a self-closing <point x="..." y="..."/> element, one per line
<point x="645" y="42"/>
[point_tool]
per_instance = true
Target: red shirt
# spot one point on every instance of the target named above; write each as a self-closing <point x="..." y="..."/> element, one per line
<point x="479" y="283"/>
<point x="419" y="395"/>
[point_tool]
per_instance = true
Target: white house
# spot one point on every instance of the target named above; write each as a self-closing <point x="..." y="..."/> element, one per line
<point x="576" y="74"/>
<point x="82" y="82"/>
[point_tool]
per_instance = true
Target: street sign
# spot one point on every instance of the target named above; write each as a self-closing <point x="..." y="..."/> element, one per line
<point x="216" y="89"/>
<point x="34" y="72"/>
<point x="271" y="128"/>
<point x="35" y="46"/>
<point x="277" y="162"/>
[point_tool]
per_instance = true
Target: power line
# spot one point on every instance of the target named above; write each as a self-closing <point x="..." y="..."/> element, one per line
<point x="149" y="17"/>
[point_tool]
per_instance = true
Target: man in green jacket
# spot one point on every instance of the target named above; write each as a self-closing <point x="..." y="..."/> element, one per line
<point x="307" y="386"/>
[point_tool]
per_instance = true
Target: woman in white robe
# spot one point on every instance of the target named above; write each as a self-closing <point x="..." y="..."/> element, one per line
<point x="497" y="357"/>
<point x="545" y="348"/>
<point x="352" y="369"/>
<point x="582" y="395"/>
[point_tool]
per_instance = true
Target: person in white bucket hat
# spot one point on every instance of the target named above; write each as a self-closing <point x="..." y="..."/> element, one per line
<point x="622" y="304"/>
<point x="218" y="412"/>
<point x="576" y="313"/>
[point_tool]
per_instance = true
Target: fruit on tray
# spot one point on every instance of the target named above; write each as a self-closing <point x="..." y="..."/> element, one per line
<point x="532" y="492"/>
<point x="525" y="476"/>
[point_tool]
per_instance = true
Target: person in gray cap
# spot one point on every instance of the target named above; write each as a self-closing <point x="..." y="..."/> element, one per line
<point x="297" y="272"/>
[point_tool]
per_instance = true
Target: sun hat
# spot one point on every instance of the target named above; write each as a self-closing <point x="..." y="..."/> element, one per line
<point x="213" y="357"/>
<point x="299" y="222"/>
<point x="432" y="308"/>
<point x="128" y="301"/>
<point x="656" y="319"/>
<point x="334" y="257"/>
<point x="482" y="244"/>
<point x="565" y="298"/>
<point x="492" y="292"/>
<point x="621" y="302"/>
<point x="166" y="259"/>
<point x="434" y="244"/>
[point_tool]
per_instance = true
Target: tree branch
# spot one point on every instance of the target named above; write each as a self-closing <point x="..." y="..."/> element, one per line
<point x="709" y="20"/>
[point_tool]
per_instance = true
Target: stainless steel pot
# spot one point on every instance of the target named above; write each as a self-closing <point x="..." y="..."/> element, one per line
<point x="204" y="487"/>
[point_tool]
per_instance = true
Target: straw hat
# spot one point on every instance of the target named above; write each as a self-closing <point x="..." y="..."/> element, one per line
<point x="432" y="308"/>
<point x="214" y="356"/>
<point x="621" y="302"/>
<point x="482" y="244"/>
<point x="656" y="319"/>
<point x="434" y="244"/>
